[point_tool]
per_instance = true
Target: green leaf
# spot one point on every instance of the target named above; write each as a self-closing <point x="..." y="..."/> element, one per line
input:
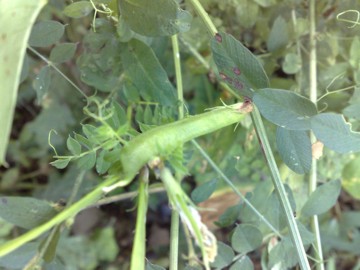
<point x="246" y="238"/>
<point x="307" y="236"/>
<point x="78" y="9"/>
<point x="294" y="147"/>
<point x="61" y="163"/>
<point x="25" y="212"/>
<point x="285" y="108"/>
<point x="73" y="146"/>
<point x="237" y="66"/>
<point x="322" y="199"/>
<point x="62" y="52"/>
<point x="101" y="164"/>
<point x="42" y="82"/>
<point x="203" y="192"/>
<point x="354" y="57"/>
<point x="335" y="133"/>
<point x="13" y="47"/>
<point x="155" y="18"/>
<point x="9" y="178"/>
<point x="229" y="217"/>
<point x="20" y="257"/>
<point x="283" y="255"/>
<point x="351" y="177"/>
<point x="46" y="33"/>
<point x="352" y="111"/>
<point x="279" y="36"/>
<point x="143" y="69"/>
<point x="83" y="141"/>
<point x="150" y="266"/>
<point x="292" y="63"/>
<point x="50" y="252"/>
<point x="87" y="162"/>
<point x="244" y="263"/>
<point x="105" y="244"/>
<point x="224" y="256"/>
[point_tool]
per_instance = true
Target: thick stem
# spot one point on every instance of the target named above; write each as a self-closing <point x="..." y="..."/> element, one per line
<point x="313" y="97"/>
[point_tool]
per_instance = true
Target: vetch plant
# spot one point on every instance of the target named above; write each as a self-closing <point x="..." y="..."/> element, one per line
<point x="134" y="132"/>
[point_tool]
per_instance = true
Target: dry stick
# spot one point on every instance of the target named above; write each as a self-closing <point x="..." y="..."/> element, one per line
<point x="313" y="98"/>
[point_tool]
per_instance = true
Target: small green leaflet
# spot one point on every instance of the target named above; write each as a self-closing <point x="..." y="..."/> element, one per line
<point x="294" y="147"/>
<point x="204" y="191"/>
<point x="62" y="52"/>
<point x="322" y="199"/>
<point x="285" y="108"/>
<point x="46" y="33"/>
<point x="42" y="82"/>
<point x="246" y="238"/>
<point x="335" y="133"/>
<point x="78" y="9"/>
<point x="237" y="66"/>
<point x="145" y="72"/>
<point x="224" y="256"/>
<point x="156" y="17"/>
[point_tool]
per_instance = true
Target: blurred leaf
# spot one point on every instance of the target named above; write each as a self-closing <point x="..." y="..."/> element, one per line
<point x="203" y="192"/>
<point x="12" y="54"/>
<point x="294" y="147"/>
<point x="283" y="255"/>
<point x="351" y="177"/>
<point x="144" y="70"/>
<point x="292" y="63"/>
<point x="101" y="164"/>
<point x="46" y="33"/>
<point x="73" y="146"/>
<point x="265" y="3"/>
<point x="224" y="256"/>
<point x="352" y="111"/>
<point x="9" y="178"/>
<point x="244" y="263"/>
<point x="354" y="57"/>
<point x="247" y="13"/>
<point x="322" y="199"/>
<point x="237" y="66"/>
<point x="88" y="161"/>
<point x="105" y="244"/>
<point x="42" y="82"/>
<point x="25" y="212"/>
<point x="285" y="108"/>
<point x="246" y="238"/>
<point x="229" y="217"/>
<point x="155" y="18"/>
<point x="20" y="257"/>
<point x="62" y="52"/>
<point x="60" y="163"/>
<point x="78" y="9"/>
<point x="150" y="266"/>
<point x="335" y="133"/>
<point x="307" y="236"/>
<point x="279" y="36"/>
<point x="50" y="252"/>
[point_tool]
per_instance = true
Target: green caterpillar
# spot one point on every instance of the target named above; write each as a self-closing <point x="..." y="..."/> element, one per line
<point x="164" y="139"/>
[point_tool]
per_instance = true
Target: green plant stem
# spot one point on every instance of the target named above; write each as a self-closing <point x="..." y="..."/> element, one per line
<point x="279" y="187"/>
<point x="228" y="181"/>
<point x="138" y="252"/>
<point x="175" y="218"/>
<point x="262" y="137"/>
<point x="318" y="254"/>
<point x="89" y="199"/>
